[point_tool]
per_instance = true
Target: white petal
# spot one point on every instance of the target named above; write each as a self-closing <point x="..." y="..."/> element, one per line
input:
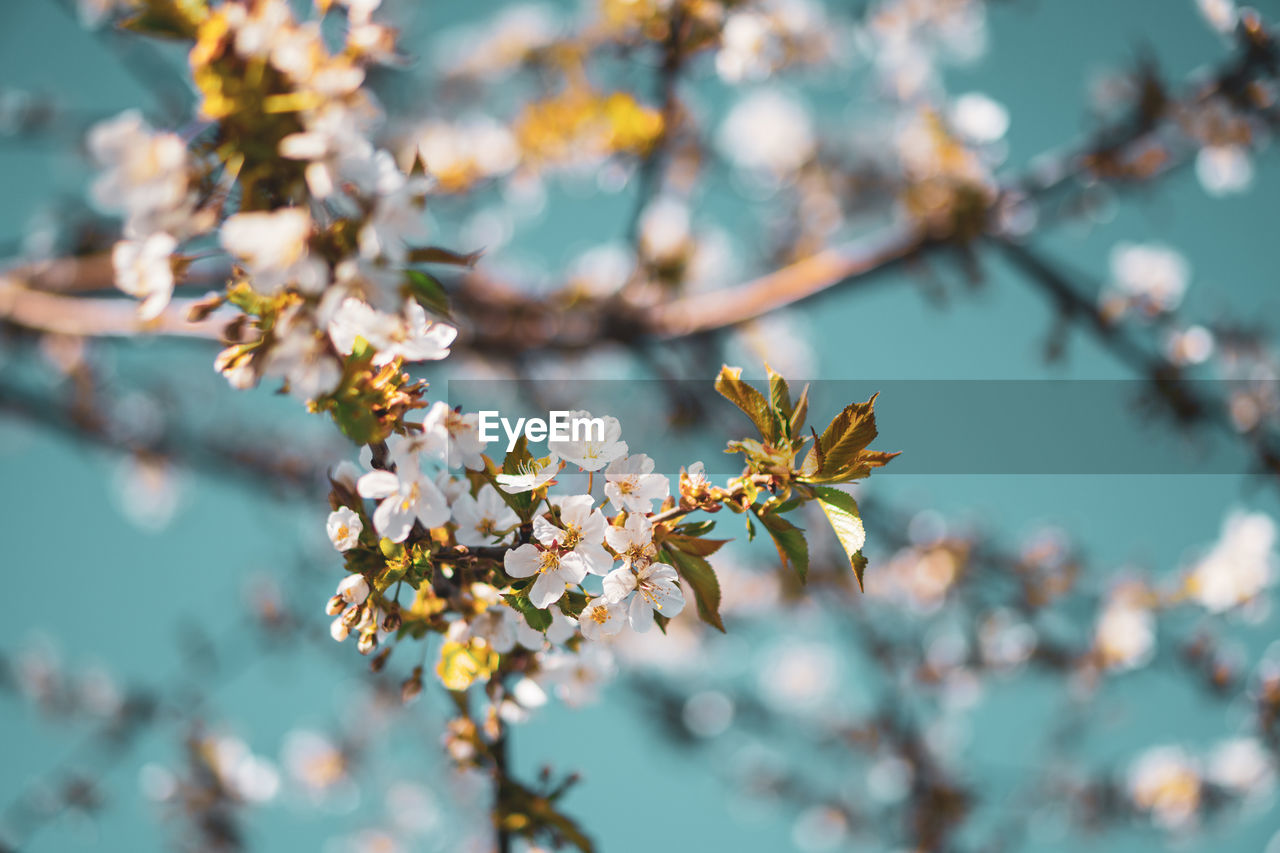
<point x="522" y="562"/>
<point x="546" y="590"/>
<point x="378" y="484"/>
<point x="572" y="568"/>
<point x="546" y="532"/>
<point x="641" y="614"/>
<point x="619" y="583"/>
<point x="393" y="519"/>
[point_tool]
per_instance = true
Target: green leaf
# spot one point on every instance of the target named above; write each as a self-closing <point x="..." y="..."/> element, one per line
<point x="779" y="393"/>
<point x="430" y="293"/>
<point x="790" y="542"/>
<point x="694" y="545"/>
<point x="702" y="578"/>
<point x="800" y="412"/>
<point x="846" y="521"/>
<point x="730" y="385"/>
<point x="696" y="528"/>
<point x="539" y="620"/>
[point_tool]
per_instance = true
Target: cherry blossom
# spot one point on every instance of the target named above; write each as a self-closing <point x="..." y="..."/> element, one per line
<point x="631" y="484"/>
<point x="553" y="571"/>
<point x="344" y="528"/>
<point x="406" y="497"/>
<point x="485" y="519"/>
<point x="581" y="532"/>
<point x="589" y="453"/>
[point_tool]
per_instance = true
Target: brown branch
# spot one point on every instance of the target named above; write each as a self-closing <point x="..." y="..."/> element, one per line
<point x="95" y="317"/>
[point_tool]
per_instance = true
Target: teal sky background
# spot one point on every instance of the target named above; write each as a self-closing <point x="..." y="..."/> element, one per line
<point x="77" y="570"/>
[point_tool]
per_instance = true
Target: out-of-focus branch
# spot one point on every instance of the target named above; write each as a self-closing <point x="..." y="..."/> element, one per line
<point x="22" y="304"/>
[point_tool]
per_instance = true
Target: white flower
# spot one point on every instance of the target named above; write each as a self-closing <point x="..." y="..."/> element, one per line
<point x="1125" y="636"/>
<point x="273" y="247"/>
<point x="979" y="118"/>
<point x="301" y="357"/>
<point x="462" y="433"/>
<point x="633" y="541"/>
<point x="1242" y="766"/>
<point x="1166" y="782"/>
<point x="407" y="496"/>
<point x="397" y="216"/>
<point x="749" y="49"/>
<point x="553" y="571"/>
<point x="338" y="630"/>
<point x="496" y="625"/>
<point x="344" y="528"/>
<point x="578" y="677"/>
<point x="602" y="618"/>
<point x="582" y="533"/>
<point x="411" y="337"/>
<point x="144" y="177"/>
<point x="631" y="484"/>
<point x="653" y="587"/>
<point x="345" y="473"/>
<point x="767" y="131"/>
<point x="485" y="519"/>
<point x="1224" y="169"/>
<point x="1152" y="275"/>
<point x="588" y="453"/>
<point x="1239" y="567"/>
<point x="144" y="268"/>
<point x="354" y="589"/>
<point x="537" y="474"/>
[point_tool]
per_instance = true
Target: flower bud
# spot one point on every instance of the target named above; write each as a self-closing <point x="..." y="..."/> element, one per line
<point x="368" y="642"/>
<point x="391" y="622"/>
<point x="411" y="686"/>
<point x="338" y="629"/>
<point x="352" y="617"/>
<point x="354" y="588"/>
<point x="380" y="659"/>
<point x="336" y="605"/>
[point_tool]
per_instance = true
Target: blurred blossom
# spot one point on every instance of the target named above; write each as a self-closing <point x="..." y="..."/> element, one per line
<point x="782" y="339"/>
<point x="1151" y="276"/>
<point x="799" y="675"/>
<point x="579" y="677"/>
<point x="745" y="592"/>
<point x="498" y="44"/>
<point x="768" y="130"/>
<point x="910" y="39"/>
<point x="916" y="578"/>
<point x="313" y="760"/>
<point x="602" y="270"/>
<point x="413" y="808"/>
<point x="1224" y="169"/>
<point x="666" y="230"/>
<point x="1189" y="346"/>
<point x="1239" y="567"/>
<point x="1125" y="635"/>
<point x="1165" y="781"/>
<point x="1221" y="14"/>
<point x="147" y="491"/>
<point x="820" y="828"/>
<point x="708" y="714"/>
<point x="1006" y="640"/>
<point x="979" y="119"/>
<point x="157" y="783"/>
<point x="371" y="841"/>
<point x="1243" y="766"/>
<point x="748" y="47"/>
<point x="889" y="779"/>
<point x="458" y="154"/>
<point x="248" y="777"/>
